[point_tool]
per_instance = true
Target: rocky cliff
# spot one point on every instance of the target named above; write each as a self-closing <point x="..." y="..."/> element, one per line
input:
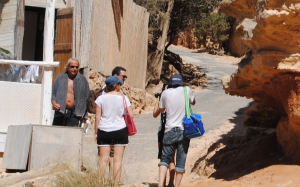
<point x="270" y="72"/>
<point x="187" y="39"/>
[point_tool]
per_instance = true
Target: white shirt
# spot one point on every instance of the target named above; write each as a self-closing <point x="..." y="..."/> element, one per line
<point x="112" y="106"/>
<point x="173" y="101"/>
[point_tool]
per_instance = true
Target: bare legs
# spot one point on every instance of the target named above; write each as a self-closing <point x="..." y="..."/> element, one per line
<point x="171" y="170"/>
<point x="178" y="178"/>
<point x="117" y="162"/>
<point x="118" y="157"/>
<point x="103" y="160"/>
<point x="162" y="174"/>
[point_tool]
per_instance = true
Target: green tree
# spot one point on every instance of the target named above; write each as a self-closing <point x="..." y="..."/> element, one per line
<point x="186" y="13"/>
<point x="213" y="25"/>
<point x="168" y="18"/>
<point x="157" y="10"/>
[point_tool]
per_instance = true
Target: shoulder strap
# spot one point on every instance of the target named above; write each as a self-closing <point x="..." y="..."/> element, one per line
<point x="188" y="107"/>
<point x="125" y="104"/>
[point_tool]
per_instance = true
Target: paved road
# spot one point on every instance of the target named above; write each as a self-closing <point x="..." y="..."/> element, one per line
<point x="212" y="102"/>
<point x="140" y="163"/>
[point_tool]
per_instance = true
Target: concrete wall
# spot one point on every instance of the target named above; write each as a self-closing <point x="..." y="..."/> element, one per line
<point x="106" y="51"/>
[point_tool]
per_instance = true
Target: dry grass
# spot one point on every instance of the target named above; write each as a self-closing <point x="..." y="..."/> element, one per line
<point x="67" y="176"/>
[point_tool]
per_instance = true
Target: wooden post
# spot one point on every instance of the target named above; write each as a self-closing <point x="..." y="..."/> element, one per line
<point x="48" y="56"/>
<point x="19" y="30"/>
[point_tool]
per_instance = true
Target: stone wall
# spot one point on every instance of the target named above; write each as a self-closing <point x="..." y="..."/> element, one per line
<point x="119" y="37"/>
<point x="270" y="71"/>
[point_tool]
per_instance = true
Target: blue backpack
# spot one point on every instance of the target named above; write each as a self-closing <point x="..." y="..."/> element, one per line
<point x="193" y="126"/>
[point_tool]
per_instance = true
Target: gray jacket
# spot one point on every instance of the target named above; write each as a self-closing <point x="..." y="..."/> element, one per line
<point x="81" y="93"/>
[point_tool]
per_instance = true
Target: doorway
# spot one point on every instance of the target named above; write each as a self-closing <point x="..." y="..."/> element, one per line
<point x="33" y="34"/>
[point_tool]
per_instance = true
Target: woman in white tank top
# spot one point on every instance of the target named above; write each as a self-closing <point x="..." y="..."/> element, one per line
<point x="111" y="129"/>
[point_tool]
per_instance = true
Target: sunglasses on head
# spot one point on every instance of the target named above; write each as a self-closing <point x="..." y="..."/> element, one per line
<point x="74" y="67"/>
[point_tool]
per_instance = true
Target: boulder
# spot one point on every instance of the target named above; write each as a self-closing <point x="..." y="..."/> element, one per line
<point x="270" y="71"/>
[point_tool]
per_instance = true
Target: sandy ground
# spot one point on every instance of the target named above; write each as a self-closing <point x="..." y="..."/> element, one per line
<point x="233" y="158"/>
<point x="228" y="156"/>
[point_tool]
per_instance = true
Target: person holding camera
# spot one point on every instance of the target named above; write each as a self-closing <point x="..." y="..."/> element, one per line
<point x="160" y="134"/>
<point x="172" y="102"/>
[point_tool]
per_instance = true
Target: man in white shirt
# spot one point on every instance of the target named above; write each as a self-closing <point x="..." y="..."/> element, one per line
<point x="173" y="102"/>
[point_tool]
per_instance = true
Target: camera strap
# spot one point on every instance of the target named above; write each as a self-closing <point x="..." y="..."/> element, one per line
<point x="161" y="133"/>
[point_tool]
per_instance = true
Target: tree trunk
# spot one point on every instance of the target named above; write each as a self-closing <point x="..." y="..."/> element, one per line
<point x="172" y="36"/>
<point x="156" y="54"/>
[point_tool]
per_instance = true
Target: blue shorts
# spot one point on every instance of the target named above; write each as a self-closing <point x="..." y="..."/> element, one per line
<point x="175" y="139"/>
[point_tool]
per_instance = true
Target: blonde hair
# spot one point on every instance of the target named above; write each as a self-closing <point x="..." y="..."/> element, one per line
<point x="69" y="61"/>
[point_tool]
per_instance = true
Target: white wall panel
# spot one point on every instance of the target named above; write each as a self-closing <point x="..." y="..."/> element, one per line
<point x="2" y="142"/>
<point x="20" y="104"/>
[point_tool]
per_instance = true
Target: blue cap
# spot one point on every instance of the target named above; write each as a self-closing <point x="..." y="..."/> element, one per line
<point x="112" y="80"/>
<point x="176" y="79"/>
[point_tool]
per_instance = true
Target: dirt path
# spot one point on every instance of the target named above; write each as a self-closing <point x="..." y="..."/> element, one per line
<point x="140" y="163"/>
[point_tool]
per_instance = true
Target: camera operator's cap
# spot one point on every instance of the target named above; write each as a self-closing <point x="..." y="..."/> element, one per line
<point x="112" y="80"/>
<point x="176" y="79"/>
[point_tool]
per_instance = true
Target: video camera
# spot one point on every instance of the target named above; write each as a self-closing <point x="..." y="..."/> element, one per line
<point x="168" y="84"/>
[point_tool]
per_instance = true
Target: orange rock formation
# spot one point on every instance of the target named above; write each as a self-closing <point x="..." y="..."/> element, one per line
<point x="187" y="39"/>
<point x="270" y="72"/>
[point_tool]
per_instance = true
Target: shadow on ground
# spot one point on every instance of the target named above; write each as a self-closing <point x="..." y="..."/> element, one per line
<point x="150" y="184"/>
<point x="236" y="155"/>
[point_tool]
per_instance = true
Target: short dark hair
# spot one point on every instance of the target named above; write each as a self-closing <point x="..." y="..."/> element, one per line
<point x="117" y="70"/>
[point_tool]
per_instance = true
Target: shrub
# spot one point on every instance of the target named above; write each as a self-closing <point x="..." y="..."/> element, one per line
<point x="213" y="25"/>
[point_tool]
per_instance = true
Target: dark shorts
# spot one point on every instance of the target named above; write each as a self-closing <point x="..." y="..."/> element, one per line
<point x="119" y="137"/>
<point x="175" y="140"/>
<point x="62" y="119"/>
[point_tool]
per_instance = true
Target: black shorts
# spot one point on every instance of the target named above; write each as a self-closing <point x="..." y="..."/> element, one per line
<point x="119" y="137"/>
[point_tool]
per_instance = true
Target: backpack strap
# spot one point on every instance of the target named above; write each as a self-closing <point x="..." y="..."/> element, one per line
<point x="188" y="107"/>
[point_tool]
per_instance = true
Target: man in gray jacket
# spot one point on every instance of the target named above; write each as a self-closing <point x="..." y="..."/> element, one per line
<point x="69" y="94"/>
